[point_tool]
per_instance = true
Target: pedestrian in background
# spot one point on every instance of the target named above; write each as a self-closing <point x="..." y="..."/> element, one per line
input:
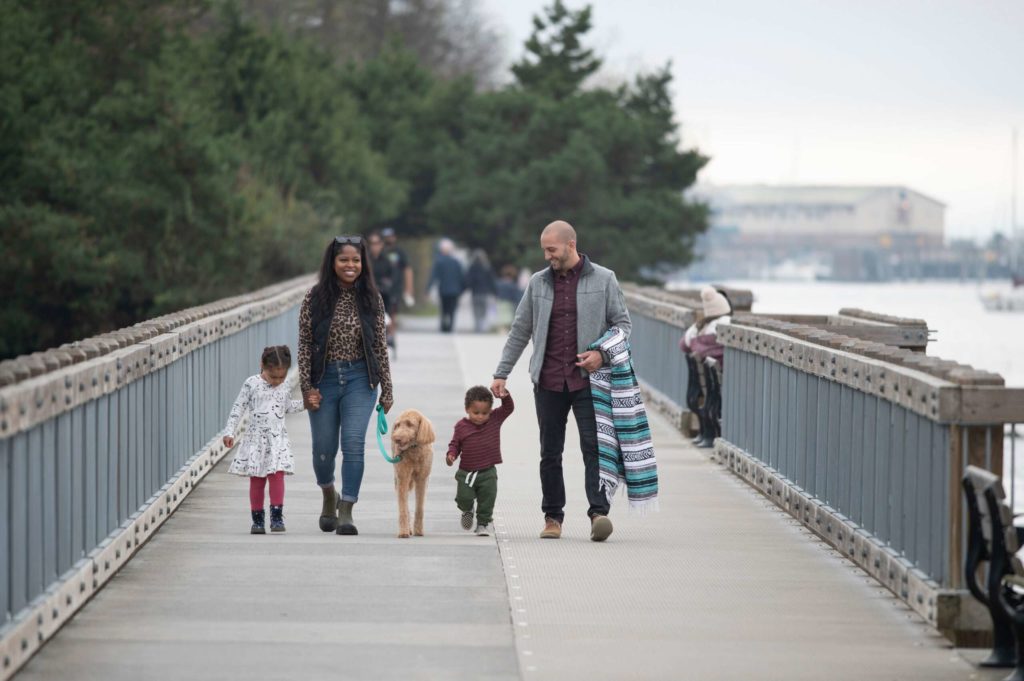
<point x="709" y="353"/>
<point x="482" y="288"/>
<point x="384" y="273"/>
<point x="450" y="279"/>
<point x="402" y="273"/>
<point x="509" y="294"/>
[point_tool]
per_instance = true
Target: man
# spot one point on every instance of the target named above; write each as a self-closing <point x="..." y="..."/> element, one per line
<point x="403" y="279"/>
<point x="565" y="308"/>
<point x="384" y="275"/>
<point x="451" y="282"/>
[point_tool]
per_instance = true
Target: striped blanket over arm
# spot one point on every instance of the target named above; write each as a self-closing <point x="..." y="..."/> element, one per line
<point x="625" y="450"/>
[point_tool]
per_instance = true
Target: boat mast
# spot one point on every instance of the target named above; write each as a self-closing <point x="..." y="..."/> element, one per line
<point x="1014" y="235"/>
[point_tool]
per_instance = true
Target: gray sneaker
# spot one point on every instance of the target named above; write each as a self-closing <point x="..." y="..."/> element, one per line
<point x="483" y="530"/>
<point x="466" y="520"/>
<point x="600" y="528"/>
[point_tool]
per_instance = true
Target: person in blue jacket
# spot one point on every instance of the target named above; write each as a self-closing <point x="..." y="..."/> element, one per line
<point x="451" y="282"/>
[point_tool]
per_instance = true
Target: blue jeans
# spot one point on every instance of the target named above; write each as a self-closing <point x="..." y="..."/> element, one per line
<point x="345" y="408"/>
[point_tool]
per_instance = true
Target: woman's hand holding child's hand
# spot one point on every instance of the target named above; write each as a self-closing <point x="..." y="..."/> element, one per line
<point x="228" y="441"/>
<point x="311" y="399"/>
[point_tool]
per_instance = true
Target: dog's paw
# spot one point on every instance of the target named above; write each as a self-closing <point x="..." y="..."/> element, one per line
<point x="418" y="533"/>
<point x="403" y="535"/>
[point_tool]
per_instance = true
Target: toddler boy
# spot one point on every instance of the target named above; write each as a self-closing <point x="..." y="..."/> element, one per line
<point x="477" y="440"/>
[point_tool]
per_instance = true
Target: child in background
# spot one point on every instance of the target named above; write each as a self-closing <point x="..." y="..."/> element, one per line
<point x="265" y="454"/>
<point x="477" y="440"/>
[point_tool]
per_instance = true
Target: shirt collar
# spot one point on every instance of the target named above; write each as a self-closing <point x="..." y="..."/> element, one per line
<point x="576" y="269"/>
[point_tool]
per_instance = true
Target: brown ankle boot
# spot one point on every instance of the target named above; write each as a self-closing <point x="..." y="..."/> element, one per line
<point x="328" y="513"/>
<point x="552" y="529"/>
<point x="345" y="524"/>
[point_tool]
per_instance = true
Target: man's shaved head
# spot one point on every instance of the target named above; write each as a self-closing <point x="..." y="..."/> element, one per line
<point x="558" y="241"/>
<point x="560" y="229"/>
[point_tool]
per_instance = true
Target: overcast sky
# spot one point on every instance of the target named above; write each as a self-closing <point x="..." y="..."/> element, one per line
<point x="923" y="93"/>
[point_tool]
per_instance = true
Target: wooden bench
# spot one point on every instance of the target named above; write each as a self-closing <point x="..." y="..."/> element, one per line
<point x="992" y="538"/>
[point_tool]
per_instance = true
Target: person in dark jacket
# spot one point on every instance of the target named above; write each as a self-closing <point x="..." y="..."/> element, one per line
<point x="706" y="354"/>
<point x="451" y="282"/>
<point x="481" y="284"/>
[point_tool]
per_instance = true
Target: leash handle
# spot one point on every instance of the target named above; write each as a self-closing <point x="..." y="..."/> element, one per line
<point x="382" y="430"/>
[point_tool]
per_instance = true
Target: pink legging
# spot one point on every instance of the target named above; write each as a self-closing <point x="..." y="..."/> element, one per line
<point x="256" y="486"/>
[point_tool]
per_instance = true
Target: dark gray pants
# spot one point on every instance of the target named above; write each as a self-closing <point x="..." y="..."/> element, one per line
<point x="552" y="415"/>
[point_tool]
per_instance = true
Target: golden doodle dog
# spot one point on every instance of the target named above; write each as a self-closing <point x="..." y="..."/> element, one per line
<point x="412" y="437"/>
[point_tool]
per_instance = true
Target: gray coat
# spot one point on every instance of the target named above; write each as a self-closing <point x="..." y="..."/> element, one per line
<point x="600" y="305"/>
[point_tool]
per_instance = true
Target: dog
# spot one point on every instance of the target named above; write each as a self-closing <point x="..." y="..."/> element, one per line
<point x="412" y="437"/>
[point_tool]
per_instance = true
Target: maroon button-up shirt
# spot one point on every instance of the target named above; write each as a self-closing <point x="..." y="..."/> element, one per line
<point x="559" y="369"/>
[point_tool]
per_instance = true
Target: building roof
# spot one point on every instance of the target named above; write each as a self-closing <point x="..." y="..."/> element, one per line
<point x="796" y="194"/>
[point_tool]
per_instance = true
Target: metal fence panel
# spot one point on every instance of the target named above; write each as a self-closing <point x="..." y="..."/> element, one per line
<point x="833" y="474"/>
<point x="883" y="494"/>
<point x="869" y="512"/>
<point x="858" y="488"/>
<point x="65" y="484"/>
<point x="78" y="547"/>
<point x="802" y="441"/>
<point x="49" y="510"/>
<point x="35" y="511"/>
<point x="124" y="446"/>
<point x="924" y="533"/>
<point x="90" y="501"/>
<point x="908" y="493"/>
<point x="19" y="522"/>
<point x="896" y="463"/>
<point x="940" y="472"/>
<point x="845" y="476"/>
<point x="821" y="445"/>
<point x="101" y="526"/>
<point x="6" y="549"/>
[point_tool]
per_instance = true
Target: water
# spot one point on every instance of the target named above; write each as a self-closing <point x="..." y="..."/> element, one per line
<point x="962" y="329"/>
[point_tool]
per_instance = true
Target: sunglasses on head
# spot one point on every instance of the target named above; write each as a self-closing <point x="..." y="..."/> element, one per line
<point x="348" y="240"/>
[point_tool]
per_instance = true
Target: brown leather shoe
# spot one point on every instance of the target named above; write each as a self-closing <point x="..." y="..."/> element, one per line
<point x="552" y="529"/>
<point x="600" y="527"/>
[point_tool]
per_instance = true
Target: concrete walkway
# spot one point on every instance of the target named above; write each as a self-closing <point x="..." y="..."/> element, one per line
<point x="718" y="585"/>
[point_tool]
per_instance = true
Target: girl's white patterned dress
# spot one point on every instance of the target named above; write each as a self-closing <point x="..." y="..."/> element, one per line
<point x="264" y="448"/>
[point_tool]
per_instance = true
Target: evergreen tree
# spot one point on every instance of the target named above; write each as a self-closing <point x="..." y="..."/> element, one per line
<point x="557" y="64"/>
<point x="608" y="161"/>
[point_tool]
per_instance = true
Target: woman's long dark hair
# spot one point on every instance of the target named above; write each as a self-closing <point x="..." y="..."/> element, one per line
<point x="328" y="288"/>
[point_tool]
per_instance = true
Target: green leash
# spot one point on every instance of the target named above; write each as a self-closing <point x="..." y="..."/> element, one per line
<point x="382" y="430"/>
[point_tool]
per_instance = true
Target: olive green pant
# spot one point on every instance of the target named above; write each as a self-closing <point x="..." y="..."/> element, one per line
<point x="483" y="490"/>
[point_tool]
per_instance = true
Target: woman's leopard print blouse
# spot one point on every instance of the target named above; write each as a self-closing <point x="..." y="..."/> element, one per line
<point x="345" y="341"/>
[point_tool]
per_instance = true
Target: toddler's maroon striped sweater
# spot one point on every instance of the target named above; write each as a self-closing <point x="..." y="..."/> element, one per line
<point x="480" y="446"/>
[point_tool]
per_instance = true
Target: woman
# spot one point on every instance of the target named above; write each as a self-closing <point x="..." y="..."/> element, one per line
<point x="710" y="353"/>
<point x="343" y="357"/>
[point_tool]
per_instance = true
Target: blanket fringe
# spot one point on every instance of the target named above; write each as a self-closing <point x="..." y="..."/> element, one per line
<point x="644" y="507"/>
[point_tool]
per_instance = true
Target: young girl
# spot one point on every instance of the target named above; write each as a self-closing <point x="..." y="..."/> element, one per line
<point x="265" y="453"/>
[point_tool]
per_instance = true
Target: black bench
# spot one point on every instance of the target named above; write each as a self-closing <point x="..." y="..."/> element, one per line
<point x="992" y="538"/>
